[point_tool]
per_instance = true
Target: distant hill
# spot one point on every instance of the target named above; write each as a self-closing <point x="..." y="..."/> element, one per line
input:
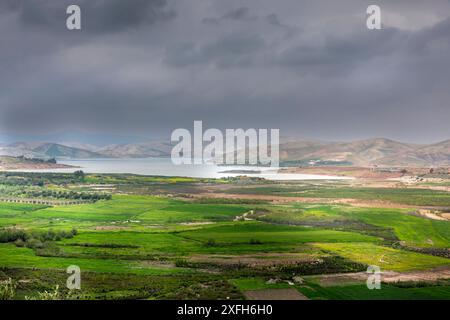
<point x="293" y="152"/>
<point x="18" y="152"/>
<point x="380" y="151"/>
<point x="137" y="150"/>
<point x="45" y="150"/>
<point x="22" y="163"/>
<point x="54" y="150"/>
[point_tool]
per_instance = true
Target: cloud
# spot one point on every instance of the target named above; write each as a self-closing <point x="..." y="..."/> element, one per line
<point x="102" y="16"/>
<point x="233" y="50"/>
<point x="146" y="67"/>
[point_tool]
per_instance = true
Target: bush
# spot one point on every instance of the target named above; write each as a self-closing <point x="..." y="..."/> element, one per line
<point x="7" y="289"/>
<point x="34" y="244"/>
<point x="255" y="241"/>
<point x="12" y="234"/>
<point x="20" y="243"/>
<point x="211" y="243"/>
<point x="47" y="295"/>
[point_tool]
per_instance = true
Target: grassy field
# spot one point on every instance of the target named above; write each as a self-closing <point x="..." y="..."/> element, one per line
<point x="314" y="291"/>
<point x="408" y="196"/>
<point x="413" y="230"/>
<point x="262" y="233"/>
<point x="384" y="257"/>
<point x="150" y="244"/>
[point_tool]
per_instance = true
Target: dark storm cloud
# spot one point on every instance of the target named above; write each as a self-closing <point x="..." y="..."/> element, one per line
<point x="239" y="14"/>
<point x="308" y="67"/>
<point x="98" y="16"/>
<point x="228" y="51"/>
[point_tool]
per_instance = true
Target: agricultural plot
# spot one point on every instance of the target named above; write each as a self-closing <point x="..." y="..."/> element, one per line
<point x="384" y="257"/>
<point x="260" y="233"/>
<point x="406" y="227"/>
<point x="407" y="196"/>
<point x="147" y="246"/>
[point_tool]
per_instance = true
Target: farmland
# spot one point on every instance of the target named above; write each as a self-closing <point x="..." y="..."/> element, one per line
<point x="141" y="237"/>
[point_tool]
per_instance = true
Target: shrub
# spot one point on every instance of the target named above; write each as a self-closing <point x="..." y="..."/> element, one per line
<point x="211" y="243"/>
<point x="255" y="241"/>
<point x="7" y="289"/>
<point x="12" y="234"/>
<point x="47" y="295"/>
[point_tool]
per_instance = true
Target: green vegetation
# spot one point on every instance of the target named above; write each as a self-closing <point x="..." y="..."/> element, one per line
<point x="262" y="233"/>
<point x="384" y="257"/>
<point x="408" y="196"/>
<point x="150" y="238"/>
<point x="387" y="292"/>
<point x="390" y="224"/>
<point x="7" y="289"/>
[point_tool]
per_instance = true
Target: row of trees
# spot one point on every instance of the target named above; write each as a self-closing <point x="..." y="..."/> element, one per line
<point x="22" y="237"/>
<point x="41" y="179"/>
<point x="48" y="193"/>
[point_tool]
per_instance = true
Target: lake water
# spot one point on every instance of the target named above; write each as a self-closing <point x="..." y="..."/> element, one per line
<point x="165" y="167"/>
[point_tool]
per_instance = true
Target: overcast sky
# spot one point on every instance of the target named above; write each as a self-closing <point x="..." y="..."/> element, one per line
<point x="145" y="67"/>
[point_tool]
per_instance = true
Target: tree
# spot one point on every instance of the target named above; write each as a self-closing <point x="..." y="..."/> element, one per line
<point x="79" y="175"/>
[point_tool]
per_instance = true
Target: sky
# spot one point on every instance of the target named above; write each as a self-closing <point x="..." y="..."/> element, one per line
<point x="139" y="69"/>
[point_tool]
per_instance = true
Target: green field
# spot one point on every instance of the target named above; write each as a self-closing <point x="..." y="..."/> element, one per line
<point x="384" y="257"/>
<point x="408" y="196"/>
<point x="413" y="230"/>
<point x="146" y="243"/>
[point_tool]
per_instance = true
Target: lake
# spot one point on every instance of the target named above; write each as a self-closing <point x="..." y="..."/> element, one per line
<point x="165" y="167"/>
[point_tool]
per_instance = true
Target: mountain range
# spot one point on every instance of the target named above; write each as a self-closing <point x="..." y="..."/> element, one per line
<point x="294" y="151"/>
<point x="370" y="152"/>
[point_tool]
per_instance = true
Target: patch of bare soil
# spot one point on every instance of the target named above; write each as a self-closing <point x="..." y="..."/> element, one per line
<point x="259" y="197"/>
<point x="387" y="277"/>
<point x="157" y="264"/>
<point x="427" y="275"/>
<point x="196" y="223"/>
<point x="329" y="280"/>
<point x="109" y="228"/>
<point x="352" y="202"/>
<point x="356" y="172"/>
<point x="284" y="199"/>
<point x="255" y="260"/>
<point x="274" y="294"/>
<point x="432" y="215"/>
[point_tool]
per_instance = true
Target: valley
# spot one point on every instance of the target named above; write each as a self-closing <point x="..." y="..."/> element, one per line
<point x="153" y="237"/>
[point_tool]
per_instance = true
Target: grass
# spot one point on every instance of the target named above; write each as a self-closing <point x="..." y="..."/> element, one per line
<point x="146" y="243"/>
<point x="413" y="230"/>
<point x="408" y="196"/>
<point x="384" y="257"/>
<point x="142" y="208"/>
<point x="349" y="292"/>
<point x="245" y="232"/>
<point x="13" y="257"/>
<point x="387" y="292"/>
<point x="124" y="244"/>
<point x="245" y="284"/>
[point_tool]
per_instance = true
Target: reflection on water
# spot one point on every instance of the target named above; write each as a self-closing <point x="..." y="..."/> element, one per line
<point x="164" y="167"/>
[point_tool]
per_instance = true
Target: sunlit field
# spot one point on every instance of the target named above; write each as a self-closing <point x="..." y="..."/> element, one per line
<point x="153" y="240"/>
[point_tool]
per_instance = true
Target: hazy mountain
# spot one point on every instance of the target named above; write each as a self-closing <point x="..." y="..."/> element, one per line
<point x="137" y="150"/>
<point x="17" y="152"/>
<point x="83" y="146"/>
<point x="383" y="152"/>
<point x="52" y="150"/>
<point x="438" y="154"/>
<point x="294" y="151"/>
